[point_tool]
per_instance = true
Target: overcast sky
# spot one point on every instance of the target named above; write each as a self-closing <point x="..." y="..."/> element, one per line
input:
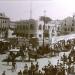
<point x="20" y="9"/>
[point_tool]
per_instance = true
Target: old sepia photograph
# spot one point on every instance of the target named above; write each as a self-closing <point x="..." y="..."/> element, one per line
<point x="37" y="37"/>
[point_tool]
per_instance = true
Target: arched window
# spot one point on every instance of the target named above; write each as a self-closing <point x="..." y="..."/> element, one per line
<point x="40" y="27"/>
<point x="52" y="30"/>
<point x="40" y="35"/>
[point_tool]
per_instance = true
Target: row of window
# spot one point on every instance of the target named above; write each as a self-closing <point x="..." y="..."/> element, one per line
<point x="3" y="21"/>
<point x="69" y="29"/>
<point x="26" y="35"/>
<point x="72" y="24"/>
<point x="25" y="27"/>
<point x="40" y="27"/>
<point x="32" y="27"/>
<point x="45" y="35"/>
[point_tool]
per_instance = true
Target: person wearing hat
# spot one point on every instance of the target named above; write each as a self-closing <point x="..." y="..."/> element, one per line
<point x="3" y="73"/>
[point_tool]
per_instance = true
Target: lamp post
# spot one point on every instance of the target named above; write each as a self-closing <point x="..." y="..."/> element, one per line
<point x="73" y="21"/>
<point x="29" y="24"/>
<point x="44" y="29"/>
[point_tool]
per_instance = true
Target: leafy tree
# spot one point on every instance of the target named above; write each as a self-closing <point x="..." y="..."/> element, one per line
<point x="34" y="42"/>
<point x="45" y="19"/>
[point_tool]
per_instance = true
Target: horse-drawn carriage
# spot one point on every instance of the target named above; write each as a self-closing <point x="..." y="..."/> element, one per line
<point x="4" y="46"/>
<point x="20" y="55"/>
<point x="12" y="54"/>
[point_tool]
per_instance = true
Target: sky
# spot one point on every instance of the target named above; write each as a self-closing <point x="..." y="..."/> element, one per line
<point x="20" y="9"/>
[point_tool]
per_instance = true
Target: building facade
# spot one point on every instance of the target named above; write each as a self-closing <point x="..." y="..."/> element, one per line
<point x="35" y="28"/>
<point x="68" y="25"/>
<point x="46" y="33"/>
<point x="4" y="25"/>
<point x="26" y="28"/>
<point x="31" y="28"/>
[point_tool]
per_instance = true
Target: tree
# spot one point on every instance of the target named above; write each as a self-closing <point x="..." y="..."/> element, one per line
<point x="34" y="42"/>
<point x="45" y="19"/>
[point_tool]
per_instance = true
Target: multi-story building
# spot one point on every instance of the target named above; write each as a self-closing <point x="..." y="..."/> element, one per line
<point x="42" y="32"/>
<point x="48" y="33"/>
<point x="26" y="28"/>
<point x="35" y="28"/>
<point x="4" y="25"/>
<point x="68" y="25"/>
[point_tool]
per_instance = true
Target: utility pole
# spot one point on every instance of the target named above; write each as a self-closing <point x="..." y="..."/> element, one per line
<point x="73" y="21"/>
<point x="44" y="29"/>
<point x="65" y="25"/>
<point x="30" y="18"/>
<point x="30" y="9"/>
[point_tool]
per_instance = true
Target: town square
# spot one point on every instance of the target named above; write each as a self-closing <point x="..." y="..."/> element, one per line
<point x="37" y="37"/>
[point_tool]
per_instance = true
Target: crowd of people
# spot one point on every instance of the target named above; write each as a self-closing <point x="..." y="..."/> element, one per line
<point x="46" y="70"/>
<point x="59" y="69"/>
<point x="49" y="69"/>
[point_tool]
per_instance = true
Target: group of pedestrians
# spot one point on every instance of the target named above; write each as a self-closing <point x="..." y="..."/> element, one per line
<point x="32" y="70"/>
<point x="49" y="69"/>
<point x="46" y="70"/>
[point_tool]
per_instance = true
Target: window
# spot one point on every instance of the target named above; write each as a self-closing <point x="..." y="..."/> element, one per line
<point x="43" y="27"/>
<point x="0" y="14"/>
<point x="58" y="28"/>
<point x="5" y="21"/>
<point x="72" y="24"/>
<point x="40" y="27"/>
<point x="72" y="29"/>
<point x="65" y="24"/>
<point x="26" y="35"/>
<point x="31" y="35"/>
<point x="31" y="26"/>
<point x="52" y="30"/>
<point x="23" y="27"/>
<point x="52" y="34"/>
<point x="65" y="29"/>
<point x="48" y="27"/>
<point x="1" y="21"/>
<point x="26" y="27"/>
<point x="40" y="35"/>
<point x="68" y="29"/>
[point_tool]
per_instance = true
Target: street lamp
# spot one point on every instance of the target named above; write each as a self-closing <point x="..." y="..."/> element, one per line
<point x="73" y="21"/>
<point x="29" y="24"/>
<point x="44" y="28"/>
